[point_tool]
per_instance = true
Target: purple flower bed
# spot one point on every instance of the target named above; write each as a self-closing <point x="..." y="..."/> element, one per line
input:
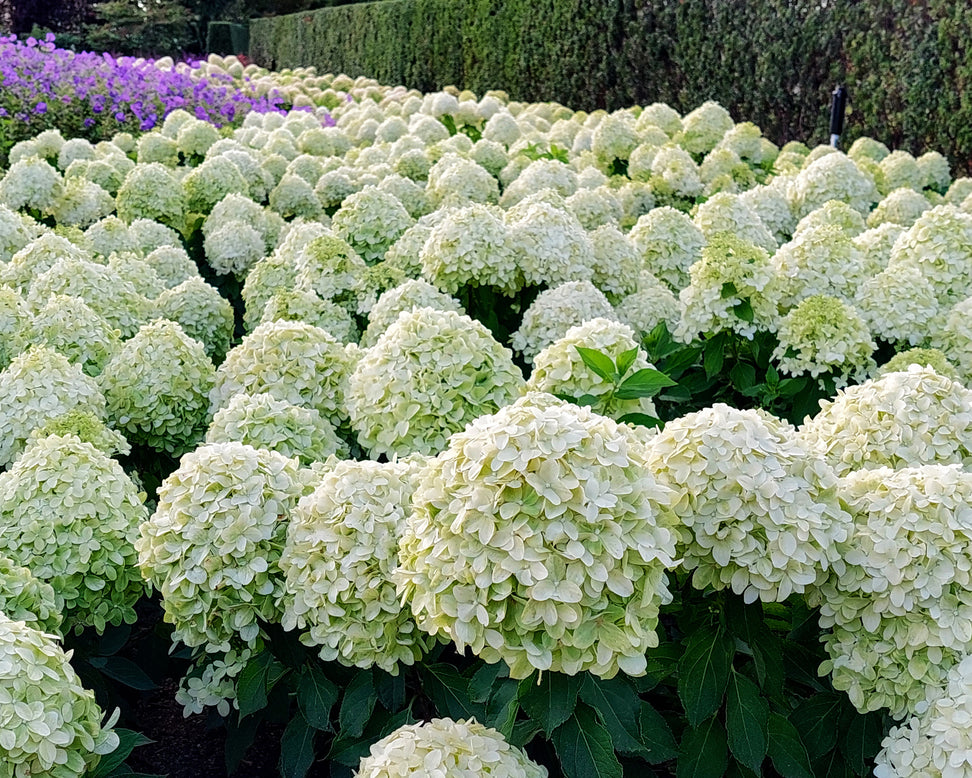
<point x="94" y="96"/>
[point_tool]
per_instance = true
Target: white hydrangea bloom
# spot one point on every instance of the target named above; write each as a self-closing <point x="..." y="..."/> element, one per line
<point x="306" y="306"/>
<point x="902" y="206"/>
<point x="565" y="540"/>
<point x="901" y="419"/>
<point x="954" y="336"/>
<point x="31" y="183"/>
<point x="660" y="115"/>
<point x="233" y="247"/>
<point x="195" y="136"/>
<point x="727" y="213"/>
<point x="14" y="234"/>
<point x="670" y="243"/>
<point x="37" y="386"/>
<point x="339" y="562"/>
<point x="261" y="421"/>
<point x="157" y="385"/>
<point x="875" y="246"/>
<point x="759" y="508"/>
<point x="647" y="307"/>
<point x="81" y="203"/>
<point x="151" y="192"/>
<point x="212" y="546"/>
<point x="833" y="176"/>
<point x="23" y="597"/>
<point x="824" y="334"/>
<point x="502" y="128"/>
<point x="69" y="326"/>
<point x="935" y="171"/>
<point x="293" y="361"/>
<point x="835" y="213"/>
<point x="555" y="311"/>
<point x="898" y="305"/>
<point x="865" y="147"/>
<point x="214" y="179"/>
<point x="202" y="312"/>
<point x="704" y="127"/>
<point x="293" y="196"/>
<point x="172" y="264"/>
<point x="900" y="169"/>
<point x="131" y="268"/>
<point x="819" y="260"/>
<point x="539" y="175"/>
<point x="269" y="276"/>
<point x="675" y="174"/>
<point x="939" y="243"/>
<point x="456" y="181"/>
<point x="595" y="207"/>
<point x="426" y="377"/>
<point x="446" y="747"/>
<point x="926" y="357"/>
<point x="551" y="246"/>
<point x="408" y="296"/>
<point x="370" y="221"/>
<point x="938" y="741"/>
<point x="489" y="155"/>
<point x="773" y="210"/>
<point x="49" y="723"/>
<point x="730" y="274"/>
<point x="617" y="263"/>
<point x="71" y="513"/>
<point x="236" y="207"/>
<point x="412" y="196"/>
<point x="959" y="190"/>
<point x="88" y="428"/>
<point x="15" y="319"/>
<point x="155" y="147"/>
<point x="471" y="246"/>
<point x="905" y="584"/>
<point x="614" y="138"/>
<point x="211" y="682"/>
<point x="559" y="369"/>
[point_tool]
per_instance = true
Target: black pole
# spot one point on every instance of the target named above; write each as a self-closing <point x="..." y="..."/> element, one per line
<point x="838" y="105"/>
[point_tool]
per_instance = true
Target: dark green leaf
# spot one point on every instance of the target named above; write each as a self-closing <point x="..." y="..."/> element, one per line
<point x="523" y="732"/>
<point x="449" y="122"/>
<point x="128" y="741"/>
<point x="251" y="688"/>
<point x="646" y="382"/>
<point x="861" y="739"/>
<point x="772" y="377"/>
<point x="296" y="748"/>
<point x="729" y="290"/>
<point x="662" y="661"/>
<point x="703" y="673"/>
<point x="502" y="707"/>
<point x="767" y="650"/>
<point x="551" y="701"/>
<point x="316" y="696"/>
<point x="816" y="718"/>
<point x="626" y="360"/>
<point x="743" y="376"/>
<point x="747" y="715"/>
<point x="449" y="692"/>
<point x="791" y="386"/>
<point x="240" y="734"/>
<point x="832" y="765"/>
<point x="588" y="400"/>
<point x="391" y="690"/>
<point x="744" y="310"/>
<point x="600" y="363"/>
<point x="641" y="420"/>
<point x="481" y="683"/>
<point x="584" y="747"/>
<point x="617" y="705"/>
<point x="714" y="355"/>
<point x="786" y="751"/>
<point x="656" y="736"/>
<point x="125" y="671"/>
<point x="357" y="705"/>
<point x="114" y="639"/>
<point x="702" y="752"/>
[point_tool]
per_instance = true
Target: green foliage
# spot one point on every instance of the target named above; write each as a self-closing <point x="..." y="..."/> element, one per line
<point x="906" y="63"/>
<point x="141" y="27"/>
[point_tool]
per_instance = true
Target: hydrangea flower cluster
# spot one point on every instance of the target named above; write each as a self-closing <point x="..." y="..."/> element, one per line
<point x="157" y="387"/>
<point x="904" y="583"/>
<point x="71" y="514"/>
<point x="49" y="723"/>
<point x="26" y="598"/>
<point x="819" y="260"/>
<point x="262" y="421"/>
<point x="555" y="311"/>
<point x="430" y="373"/>
<point x="939" y="243"/>
<point x="559" y="369"/>
<point x="446" y="747"/>
<point x="339" y="562"/>
<point x="733" y="287"/>
<point x="758" y="507"/>
<point x="212" y="546"/>
<point x="824" y="334"/>
<point x="541" y="538"/>
<point x="898" y="420"/>
<point x="408" y="296"/>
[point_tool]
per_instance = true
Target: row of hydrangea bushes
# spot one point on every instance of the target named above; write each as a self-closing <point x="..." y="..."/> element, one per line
<point x="484" y="409"/>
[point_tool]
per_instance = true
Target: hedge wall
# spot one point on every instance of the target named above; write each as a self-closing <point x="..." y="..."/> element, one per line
<point x="907" y="63"/>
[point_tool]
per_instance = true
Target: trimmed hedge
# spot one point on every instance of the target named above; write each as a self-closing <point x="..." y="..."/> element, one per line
<point x="907" y="63"/>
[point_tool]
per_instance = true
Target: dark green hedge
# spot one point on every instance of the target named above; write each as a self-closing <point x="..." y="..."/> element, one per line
<point x="907" y="63"/>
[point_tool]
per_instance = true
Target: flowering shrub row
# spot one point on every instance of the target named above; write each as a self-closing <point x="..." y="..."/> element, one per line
<point x="424" y="442"/>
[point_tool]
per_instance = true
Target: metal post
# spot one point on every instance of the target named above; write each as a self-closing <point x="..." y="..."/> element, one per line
<point x="837" y="107"/>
